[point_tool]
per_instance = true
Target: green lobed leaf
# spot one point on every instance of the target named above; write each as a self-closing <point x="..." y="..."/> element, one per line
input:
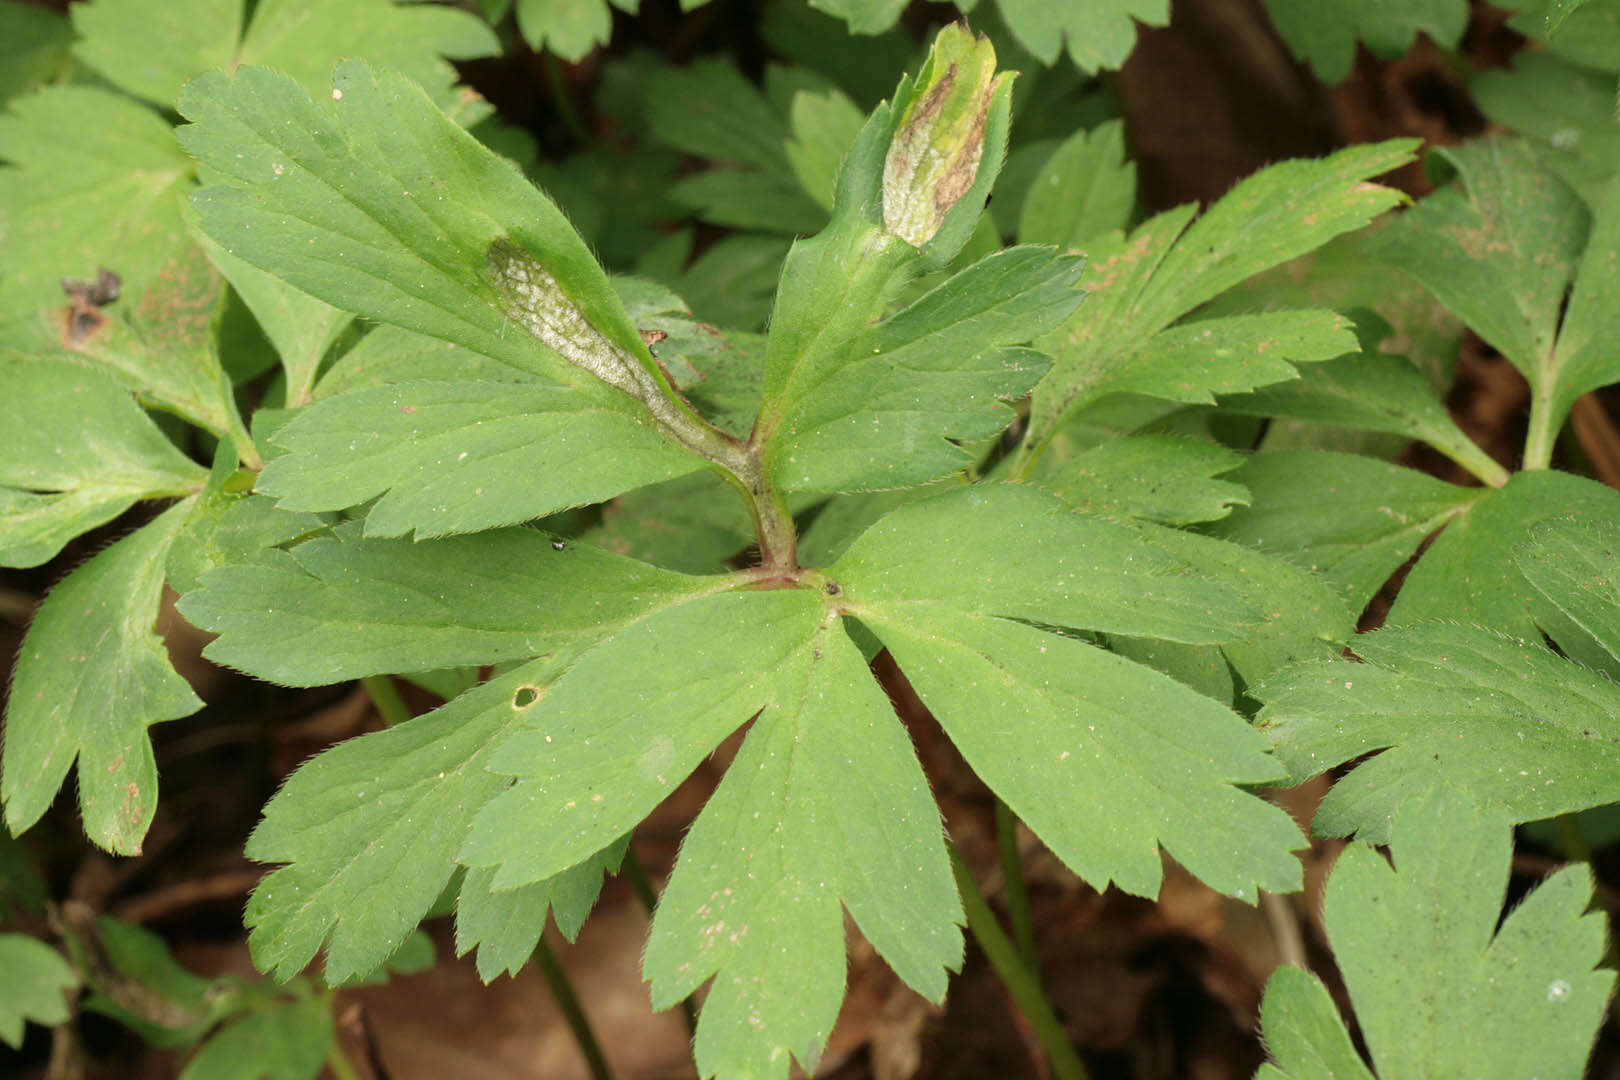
<point x="91" y="677"/>
<point x="162" y="344"/>
<point x="571" y="29"/>
<point x="389" y="354"/>
<point x="1202" y="667"/>
<point x="863" y="16"/>
<point x="150" y="49"/>
<point x="696" y="525"/>
<point x="453" y="457"/>
<point x="1305" y="1038"/>
<point x="1042" y="717"/>
<point x="1300" y="616"/>
<point x="1587" y="34"/>
<point x="1139" y="285"/>
<point x="1165" y="478"/>
<point x="279" y="1040"/>
<point x="1390" y="316"/>
<point x="1324" y="34"/>
<point x="300" y="327"/>
<point x="862" y="65"/>
<point x="1572" y="563"/>
<point x="1499" y="255"/>
<point x="750" y="199"/>
<point x="710" y="109"/>
<point x="506" y="926"/>
<point x="230" y="528"/>
<point x="34" y="44"/>
<point x="1568" y="111"/>
<point x="1584" y="358"/>
<point x="36" y="979"/>
<point x="414" y="39"/>
<point x="370" y="829"/>
<point x="825" y="803"/>
<point x="134" y="978"/>
<point x="1439" y="989"/>
<point x="343" y="607"/>
<point x="1505" y="719"/>
<point x="1086" y="189"/>
<point x="63" y="472"/>
<point x="1352" y="520"/>
<point x="1468" y="573"/>
<point x="884" y="410"/>
<point x="633" y="716"/>
<point x="1196" y="361"/>
<point x="733" y="283"/>
<point x="941" y="581"/>
<point x="1012" y="551"/>
<point x="628" y="722"/>
<point x="1369" y="391"/>
<point x="1099" y="33"/>
<point x="375" y="203"/>
<point x="824" y="127"/>
<point x="109" y="196"/>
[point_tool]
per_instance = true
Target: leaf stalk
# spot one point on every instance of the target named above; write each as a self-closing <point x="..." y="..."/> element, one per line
<point x="568" y="1003"/>
<point x="1025" y="990"/>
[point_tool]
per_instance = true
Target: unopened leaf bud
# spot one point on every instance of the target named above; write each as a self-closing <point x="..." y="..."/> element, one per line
<point x="934" y="156"/>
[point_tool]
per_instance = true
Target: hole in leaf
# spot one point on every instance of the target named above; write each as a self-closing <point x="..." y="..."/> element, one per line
<point x="525" y="696"/>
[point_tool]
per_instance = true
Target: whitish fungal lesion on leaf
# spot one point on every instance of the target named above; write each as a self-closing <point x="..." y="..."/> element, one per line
<point x="534" y="299"/>
<point x="531" y="297"/>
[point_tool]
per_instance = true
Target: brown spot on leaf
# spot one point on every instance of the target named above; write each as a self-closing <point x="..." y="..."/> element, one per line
<point x="82" y="317"/>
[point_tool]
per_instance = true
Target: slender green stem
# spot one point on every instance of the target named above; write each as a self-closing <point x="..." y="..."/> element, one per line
<point x="340" y="1065"/>
<point x="1012" y="870"/>
<point x="385" y="696"/>
<point x="563" y="992"/>
<point x="1571" y="839"/>
<point x="1476" y="461"/>
<point x="1060" y="1055"/>
<point x="642" y="885"/>
<point x="1538" y="443"/>
<point x="562" y="100"/>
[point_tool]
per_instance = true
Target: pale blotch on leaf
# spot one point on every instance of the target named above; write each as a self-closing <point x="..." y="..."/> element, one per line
<point x="531" y="297"/>
<point x="934" y="156"/>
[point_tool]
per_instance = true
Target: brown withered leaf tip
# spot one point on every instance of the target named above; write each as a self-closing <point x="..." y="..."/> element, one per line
<point x="83" y="316"/>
